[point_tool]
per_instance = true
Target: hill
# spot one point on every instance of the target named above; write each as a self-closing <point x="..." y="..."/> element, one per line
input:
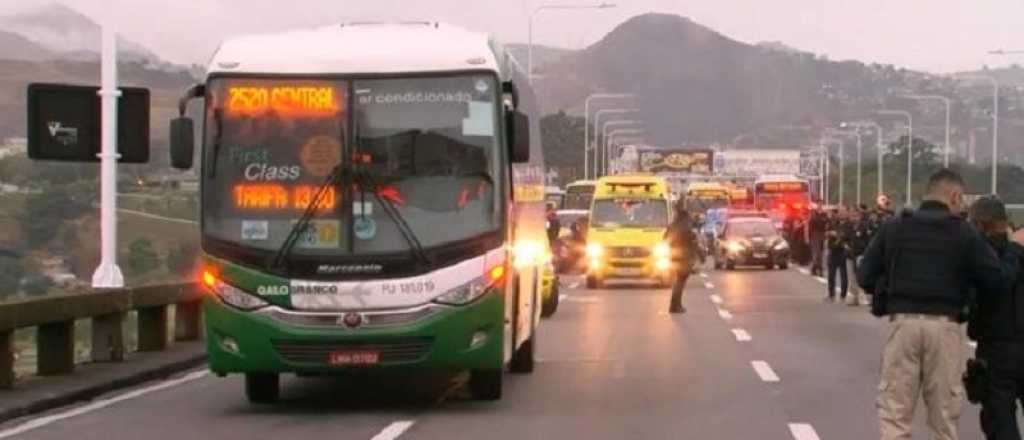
<point x="696" y="85"/>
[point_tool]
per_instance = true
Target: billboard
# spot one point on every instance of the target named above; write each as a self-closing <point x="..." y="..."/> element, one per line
<point x="753" y="163"/>
<point x="64" y="123"/>
<point x="677" y="161"/>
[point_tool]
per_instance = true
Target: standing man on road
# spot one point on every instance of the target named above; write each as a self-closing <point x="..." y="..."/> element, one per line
<point x="998" y="325"/>
<point x="683" y="243"/>
<point x="858" y="232"/>
<point x="816" y="226"/>
<point x="921" y="265"/>
<point x="835" y="241"/>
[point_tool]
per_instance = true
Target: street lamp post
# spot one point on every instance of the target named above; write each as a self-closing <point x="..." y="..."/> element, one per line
<point x="842" y="165"/>
<point x="856" y="133"/>
<point x="995" y="122"/>
<point x="910" y="147"/>
<point x="878" y="147"/>
<point x="604" y="136"/>
<point x="949" y="105"/>
<point x="616" y="133"/>
<point x="537" y="10"/>
<point x="598" y="115"/>
<point x="586" y="125"/>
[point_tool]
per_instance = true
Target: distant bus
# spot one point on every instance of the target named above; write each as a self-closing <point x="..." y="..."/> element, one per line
<point x="741" y="198"/>
<point x="578" y="195"/>
<point x="702" y="196"/>
<point x="788" y="196"/>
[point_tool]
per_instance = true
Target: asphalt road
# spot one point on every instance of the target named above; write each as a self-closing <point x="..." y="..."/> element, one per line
<point x="759" y="355"/>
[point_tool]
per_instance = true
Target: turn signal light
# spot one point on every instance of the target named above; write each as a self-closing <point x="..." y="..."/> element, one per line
<point x="209" y="279"/>
<point x="496" y="273"/>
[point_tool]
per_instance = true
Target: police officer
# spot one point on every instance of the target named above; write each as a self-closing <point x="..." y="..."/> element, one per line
<point x="683" y="242"/>
<point x="836" y="243"/>
<point x="920" y="266"/>
<point x="816" y="227"/>
<point x="998" y="325"/>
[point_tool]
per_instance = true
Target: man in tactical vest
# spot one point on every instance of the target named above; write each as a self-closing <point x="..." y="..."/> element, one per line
<point x="921" y="265"/>
<point x="997" y="323"/>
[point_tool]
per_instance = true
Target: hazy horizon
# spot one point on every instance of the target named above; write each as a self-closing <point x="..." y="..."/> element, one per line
<point x="933" y="35"/>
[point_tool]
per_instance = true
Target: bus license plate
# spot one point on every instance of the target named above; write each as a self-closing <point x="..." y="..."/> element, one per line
<point x="761" y="255"/>
<point x="353" y="358"/>
<point x="628" y="271"/>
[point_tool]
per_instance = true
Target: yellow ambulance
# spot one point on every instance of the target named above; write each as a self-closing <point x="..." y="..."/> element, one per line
<point x="628" y="218"/>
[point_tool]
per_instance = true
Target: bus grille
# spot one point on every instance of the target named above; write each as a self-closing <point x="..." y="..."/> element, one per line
<point x="628" y="252"/>
<point x="319" y="352"/>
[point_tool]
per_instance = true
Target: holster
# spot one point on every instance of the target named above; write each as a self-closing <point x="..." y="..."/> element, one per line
<point x="977" y="380"/>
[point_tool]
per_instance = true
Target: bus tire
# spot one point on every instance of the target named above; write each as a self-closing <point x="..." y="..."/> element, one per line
<point x="784" y="265"/>
<point x="522" y="358"/>
<point x="551" y="305"/>
<point x="593" y="282"/>
<point x="485" y="384"/>
<point x="262" y="388"/>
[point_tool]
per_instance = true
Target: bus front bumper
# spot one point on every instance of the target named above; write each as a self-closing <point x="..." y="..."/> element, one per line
<point x="466" y="337"/>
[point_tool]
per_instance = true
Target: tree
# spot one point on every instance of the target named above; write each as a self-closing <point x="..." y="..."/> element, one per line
<point x="142" y="257"/>
<point x="181" y="260"/>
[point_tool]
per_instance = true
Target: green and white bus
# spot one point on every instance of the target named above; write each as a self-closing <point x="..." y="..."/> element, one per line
<point x="372" y="200"/>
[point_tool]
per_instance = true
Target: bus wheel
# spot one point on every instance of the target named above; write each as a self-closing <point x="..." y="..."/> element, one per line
<point x="784" y="265"/>
<point x="551" y="305"/>
<point x="592" y="282"/>
<point x="485" y="384"/>
<point x="522" y="359"/>
<point x="262" y="387"/>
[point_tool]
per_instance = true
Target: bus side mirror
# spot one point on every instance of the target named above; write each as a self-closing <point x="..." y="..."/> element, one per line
<point x="182" y="143"/>
<point x="517" y="127"/>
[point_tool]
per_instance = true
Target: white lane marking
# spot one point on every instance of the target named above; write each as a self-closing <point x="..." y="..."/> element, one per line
<point x="803" y="431"/>
<point x="709" y="285"/>
<point x="562" y="296"/>
<point x="392" y="431"/>
<point x="575" y="285"/>
<point x="803" y="271"/>
<point x="764" y="371"/>
<point x="724" y="314"/>
<point x="716" y="299"/>
<point x="972" y="344"/>
<point x="741" y="335"/>
<point x="583" y="299"/>
<point x="703" y="275"/>
<point x="99" y="404"/>
<point x="821" y="280"/>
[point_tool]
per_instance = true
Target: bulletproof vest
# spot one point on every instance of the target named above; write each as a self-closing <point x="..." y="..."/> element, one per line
<point x="1001" y="317"/>
<point x="927" y="260"/>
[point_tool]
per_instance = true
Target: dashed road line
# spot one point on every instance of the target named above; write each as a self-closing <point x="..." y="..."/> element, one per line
<point x="562" y="296"/>
<point x="821" y="280"/>
<point x="972" y="344"/>
<point x="703" y="275"/>
<point x="708" y="285"/>
<point x="725" y="314"/>
<point x="394" y="430"/>
<point x="716" y="299"/>
<point x="99" y="404"/>
<point x="803" y="271"/>
<point x="803" y="431"/>
<point x="741" y="335"/>
<point x="764" y="371"/>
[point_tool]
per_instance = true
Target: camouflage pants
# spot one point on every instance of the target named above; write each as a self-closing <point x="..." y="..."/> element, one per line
<point x="924" y="356"/>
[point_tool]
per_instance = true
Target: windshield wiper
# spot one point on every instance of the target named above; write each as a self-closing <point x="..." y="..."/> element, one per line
<point x="391" y="210"/>
<point x="303" y="223"/>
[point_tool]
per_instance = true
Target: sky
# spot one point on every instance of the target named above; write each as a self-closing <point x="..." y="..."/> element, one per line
<point x="934" y="35"/>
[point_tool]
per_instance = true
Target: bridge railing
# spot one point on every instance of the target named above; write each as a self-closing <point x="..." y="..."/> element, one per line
<point x="54" y="319"/>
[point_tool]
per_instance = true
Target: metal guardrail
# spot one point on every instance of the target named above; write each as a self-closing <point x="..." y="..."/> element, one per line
<point x="54" y="318"/>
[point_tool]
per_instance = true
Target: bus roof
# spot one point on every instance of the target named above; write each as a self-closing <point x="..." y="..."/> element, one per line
<point x="582" y="183"/>
<point x="779" y="178"/>
<point x="358" y="48"/>
<point x="625" y="185"/>
<point x="706" y="186"/>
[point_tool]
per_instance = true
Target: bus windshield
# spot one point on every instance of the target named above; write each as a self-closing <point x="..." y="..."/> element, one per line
<point x="425" y="147"/>
<point x="578" y="197"/>
<point x="630" y="213"/>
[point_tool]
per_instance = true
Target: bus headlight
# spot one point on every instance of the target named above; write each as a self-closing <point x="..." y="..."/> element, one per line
<point x="232" y="295"/>
<point x="662" y="251"/>
<point x="595" y="250"/>
<point x="469" y="292"/>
